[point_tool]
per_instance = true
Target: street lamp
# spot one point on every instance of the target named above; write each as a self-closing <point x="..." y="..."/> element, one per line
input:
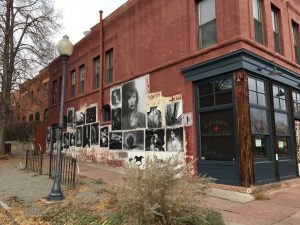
<point x="65" y="49"/>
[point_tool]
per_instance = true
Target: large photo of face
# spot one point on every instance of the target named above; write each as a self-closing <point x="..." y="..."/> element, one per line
<point x="134" y="104"/>
<point x="95" y="134"/>
<point x="133" y="140"/>
<point x="104" y="137"/>
<point x="155" y="140"/>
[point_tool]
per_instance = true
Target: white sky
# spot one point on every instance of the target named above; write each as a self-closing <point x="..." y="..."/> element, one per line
<point x="81" y="15"/>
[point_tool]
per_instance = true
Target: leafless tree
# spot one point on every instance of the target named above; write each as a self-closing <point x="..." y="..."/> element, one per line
<point x="27" y="28"/>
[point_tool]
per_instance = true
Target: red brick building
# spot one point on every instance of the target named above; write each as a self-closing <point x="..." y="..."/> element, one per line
<point x="212" y="80"/>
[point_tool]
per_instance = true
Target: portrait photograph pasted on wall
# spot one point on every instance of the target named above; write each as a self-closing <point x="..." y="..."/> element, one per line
<point x="79" y="136"/>
<point x="115" y="140"/>
<point x="154" y="119"/>
<point x="174" y="139"/>
<point x="133" y="140"/>
<point x="174" y="114"/>
<point x="70" y="117"/>
<point x="104" y="137"/>
<point x="80" y="118"/>
<point x="86" y="136"/>
<point x="116" y="98"/>
<point x="95" y="134"/>
<point x="91" y="115"/>
<point x="155" y="140"/>
<point x="116" y="115"/>
<point x="72" y="138"/>
<point x="66" y="139"/>
<point x="134" y="104"/>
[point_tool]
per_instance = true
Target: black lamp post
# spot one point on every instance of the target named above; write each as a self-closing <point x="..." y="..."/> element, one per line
<point x="65" y="49"/>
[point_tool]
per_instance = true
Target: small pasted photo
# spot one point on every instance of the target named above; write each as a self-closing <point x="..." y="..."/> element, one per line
<point x="155" y="140"/>
<point x="104" y="137"/>
<point x="174" y="139"/>
<point x="133" y="140"/>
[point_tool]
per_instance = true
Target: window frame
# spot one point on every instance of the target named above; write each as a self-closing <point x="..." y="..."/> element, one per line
<point x="96" y="72"/>
<point x="217" y="108"/>
<point x="213" y="22"/>
<point x="267" y="135"/>
<point x="72" y="84"/>
<point x="276" y="27"/>
<point x="109" y="61"/>
<point x="296" y="41"/>
<point x="259" y="37"/>
<point x="82" y="79"/>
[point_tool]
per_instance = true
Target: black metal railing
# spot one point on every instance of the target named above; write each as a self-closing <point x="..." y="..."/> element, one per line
<point x="68" y="169"/>
<point x="34" y="161"/>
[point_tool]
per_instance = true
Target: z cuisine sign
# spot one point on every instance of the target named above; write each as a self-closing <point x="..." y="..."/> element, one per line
<point x="216" y="128"/>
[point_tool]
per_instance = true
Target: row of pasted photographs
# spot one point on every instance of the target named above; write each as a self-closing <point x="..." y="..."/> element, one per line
<point x="87" y="116"/>
<point x="129" y="105"/>
<point x="86" y="136"/>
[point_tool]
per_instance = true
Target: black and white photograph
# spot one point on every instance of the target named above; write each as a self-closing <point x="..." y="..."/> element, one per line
<point x="70" y="117"/>
<point x="174" y="139"/>
<point x="91" y="115"/>
<point x="133" y="140"/>
<point x="174" y="114"/>
<point x="104" y="137"/>
<point x="86" y="136"/>
<point x="48" y="139"/>
<point x="154" y="119"/>
<point x="155" y="140"/>
<point x="134" y="104"/>
<point x="115" y="140"/>
<point x="95" y="134"/>
<point x="79" y="136"/>
<point x="116" y="115"/>
<point x="66" y="139"/>
<point x="116" y="98"/>
<point x="72" y="138"/>
<point x="80" y="118"/>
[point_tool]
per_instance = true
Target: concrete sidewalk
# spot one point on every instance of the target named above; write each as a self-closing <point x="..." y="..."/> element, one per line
<point x="282" y="208"/>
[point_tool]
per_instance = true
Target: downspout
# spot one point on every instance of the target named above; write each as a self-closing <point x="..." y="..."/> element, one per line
<point x="101" y="94"/>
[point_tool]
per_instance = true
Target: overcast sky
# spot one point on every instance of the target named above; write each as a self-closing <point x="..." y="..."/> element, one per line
<point x="81" y="15"/>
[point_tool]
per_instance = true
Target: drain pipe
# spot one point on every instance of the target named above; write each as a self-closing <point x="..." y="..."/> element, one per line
<point x="101" y="65"/>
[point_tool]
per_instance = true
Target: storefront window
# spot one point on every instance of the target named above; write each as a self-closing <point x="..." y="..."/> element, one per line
<point x="281" y="121"/>
<point x="296" y="101"/>
<point x="258" y="118"/>
<point x="216" y="118"/>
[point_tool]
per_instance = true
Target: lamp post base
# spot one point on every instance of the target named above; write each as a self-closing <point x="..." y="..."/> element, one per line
<point x="55" y="196"/>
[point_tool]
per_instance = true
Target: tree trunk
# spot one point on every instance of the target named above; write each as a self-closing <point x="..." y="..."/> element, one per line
<point x="2" y="129"/>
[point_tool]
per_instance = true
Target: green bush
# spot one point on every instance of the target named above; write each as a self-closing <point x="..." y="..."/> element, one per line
<point x="164" y="194"/>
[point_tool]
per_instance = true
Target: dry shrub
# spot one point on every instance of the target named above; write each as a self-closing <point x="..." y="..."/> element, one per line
<point x="164" y="194"/>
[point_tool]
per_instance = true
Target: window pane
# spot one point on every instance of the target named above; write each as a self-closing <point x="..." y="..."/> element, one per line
<point x="206" y="101"/>
<point x="252" y="97"/>
<point x="260" y="147"/>
<point x="222" y="85"/>
<point x="298" y="98"/>
<point x="259" y="121"/>
<point x="208" y="34"/>
<point x="223" y="98"/>
<point x="282" y="104"/>
<point x="260" y="86"/>
<point x="281" y="124"/>
<point x="276" y="103"/>
<point x="275" y="91"/>
<point x="251" y="84"/>
<point x="217" y="136"/>
<point x="282" y="146"/>
<point x="255" y="9"/>
<point x="206" y="89"/>
<point x="206" y="11"/>
<point x="261" y="99"/>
